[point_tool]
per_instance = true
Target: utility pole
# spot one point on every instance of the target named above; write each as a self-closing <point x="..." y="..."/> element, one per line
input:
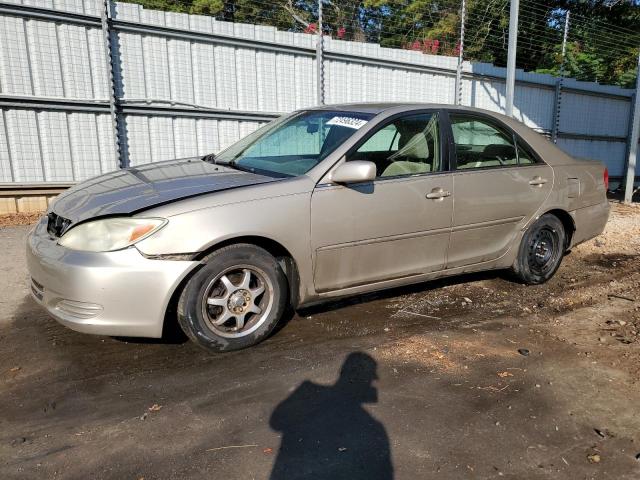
<point x="458" y="92"/>
<point x="319" y="57"/>
<point x="558" y="99"/>
<point x="633" y="142"/>
<point x="511" y="56"/>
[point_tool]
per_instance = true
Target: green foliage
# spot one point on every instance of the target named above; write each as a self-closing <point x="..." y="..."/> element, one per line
<point x="166" y="5"/>
<point x="206" y="7"/>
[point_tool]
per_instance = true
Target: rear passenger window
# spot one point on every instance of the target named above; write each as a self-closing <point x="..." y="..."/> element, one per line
<point x="479" y="144"/>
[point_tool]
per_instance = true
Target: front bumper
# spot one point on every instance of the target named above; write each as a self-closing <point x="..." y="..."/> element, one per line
<point x="119" y="293"/>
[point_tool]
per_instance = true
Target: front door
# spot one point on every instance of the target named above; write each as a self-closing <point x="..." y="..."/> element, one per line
<point x="396" y="226"/>
<point x="498" y="184"/>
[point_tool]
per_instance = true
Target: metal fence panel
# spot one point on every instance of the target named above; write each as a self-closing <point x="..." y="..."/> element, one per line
<point x="45" y="59"/>
<point x="56" y="148"/>
<point x="205" y="83"/>
<point x="15" y="72"/>
<point x="108" y="158"/>
<point x="24" y="145"/>
<point x="594" y="115"/>
<point x="131" y="78"/>
<point x="609" y="153"/>
<point x="6" y="174"/>
<point x="83" y="134"/>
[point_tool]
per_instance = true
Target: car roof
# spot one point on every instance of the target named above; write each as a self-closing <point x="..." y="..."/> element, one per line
<point x="379" y="107"/>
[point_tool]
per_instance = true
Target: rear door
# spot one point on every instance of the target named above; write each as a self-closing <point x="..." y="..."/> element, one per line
<point x="499" y="184"/>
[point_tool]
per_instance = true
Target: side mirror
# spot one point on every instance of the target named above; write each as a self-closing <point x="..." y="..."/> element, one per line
<point x="356" y="171"/>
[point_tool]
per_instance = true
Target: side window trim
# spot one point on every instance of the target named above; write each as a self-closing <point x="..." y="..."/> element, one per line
<point x="393" y="140"/>
<point x="521" y="144"/>
<point x="443" y="129"/>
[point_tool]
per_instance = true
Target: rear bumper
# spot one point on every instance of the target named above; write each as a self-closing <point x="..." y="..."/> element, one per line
<point x="117" y="293"/>
<point x="590" y="222"/>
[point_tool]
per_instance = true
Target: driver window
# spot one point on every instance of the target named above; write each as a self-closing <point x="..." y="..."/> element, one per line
<point x="407" y="146"/>
<point x="480" y="145"/>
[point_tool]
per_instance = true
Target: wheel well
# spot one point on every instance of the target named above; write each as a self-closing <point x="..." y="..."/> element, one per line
<point x="567" y="222"/>
<point x="282" y="255"/>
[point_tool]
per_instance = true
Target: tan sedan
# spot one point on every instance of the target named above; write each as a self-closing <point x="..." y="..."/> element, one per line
<point x="319" y="204"/>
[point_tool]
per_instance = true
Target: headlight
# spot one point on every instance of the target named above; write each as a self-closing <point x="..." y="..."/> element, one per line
<point x="110" y="234"/>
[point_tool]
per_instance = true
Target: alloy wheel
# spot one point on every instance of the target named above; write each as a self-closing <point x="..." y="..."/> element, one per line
<point x="237" y="301"/>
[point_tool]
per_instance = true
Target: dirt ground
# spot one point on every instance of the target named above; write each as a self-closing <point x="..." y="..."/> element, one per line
<point x="478" y="377"/>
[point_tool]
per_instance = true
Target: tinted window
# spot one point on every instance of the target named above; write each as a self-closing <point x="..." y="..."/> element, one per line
<point x="480" y="144"/>
<point x="409" y="145"/>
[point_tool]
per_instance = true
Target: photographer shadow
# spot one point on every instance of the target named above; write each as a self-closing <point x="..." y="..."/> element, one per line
<point x="326" y="432"/>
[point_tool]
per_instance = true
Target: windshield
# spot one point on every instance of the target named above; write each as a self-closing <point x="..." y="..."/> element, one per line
<point x="291" y="146"/>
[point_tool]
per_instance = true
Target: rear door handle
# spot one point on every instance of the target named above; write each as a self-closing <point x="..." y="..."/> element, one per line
<point x="537" y="181"/>
<point x="438" y="194"/>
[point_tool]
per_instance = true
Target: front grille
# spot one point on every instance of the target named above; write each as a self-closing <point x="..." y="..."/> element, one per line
<point x="57" y="225"/>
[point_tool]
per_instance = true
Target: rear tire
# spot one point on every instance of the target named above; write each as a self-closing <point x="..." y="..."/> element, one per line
<point x="541" y="250"/>
<point x="235" y="300"/>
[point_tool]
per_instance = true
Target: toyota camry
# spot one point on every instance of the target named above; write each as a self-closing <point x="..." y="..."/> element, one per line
<point x="318" y="204"/>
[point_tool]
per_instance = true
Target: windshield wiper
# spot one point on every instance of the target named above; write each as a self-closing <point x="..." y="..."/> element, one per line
<point x="210" y="157"/>
<point x="233" y="164"/>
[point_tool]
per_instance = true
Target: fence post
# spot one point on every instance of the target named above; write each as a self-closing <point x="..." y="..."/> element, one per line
<point x="558" y="99"/>
<point x="633" y="142"/>
<point x="319" y="57"/>
<point x="511" y="56"/>
<point x="458" y="93"/>
<point x="105" y="19"/>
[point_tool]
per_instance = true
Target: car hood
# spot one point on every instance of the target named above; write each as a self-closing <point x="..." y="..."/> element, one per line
<point x="135" y="189"/>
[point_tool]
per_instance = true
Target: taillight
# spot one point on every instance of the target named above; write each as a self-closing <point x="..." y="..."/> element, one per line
<point x="606" y="178"/>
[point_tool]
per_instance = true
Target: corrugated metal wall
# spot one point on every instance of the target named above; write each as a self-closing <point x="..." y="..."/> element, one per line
<point x="189" y="84"/>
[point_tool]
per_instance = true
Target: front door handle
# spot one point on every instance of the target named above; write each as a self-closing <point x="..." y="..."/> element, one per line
<point x="537" y="181"/>
<point x="438" y="193"/>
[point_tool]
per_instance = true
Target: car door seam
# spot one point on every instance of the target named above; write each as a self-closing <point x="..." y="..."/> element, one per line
<point x="488" y="223"/>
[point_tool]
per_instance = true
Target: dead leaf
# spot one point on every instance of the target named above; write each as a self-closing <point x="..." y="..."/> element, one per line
<point x="594" y="458"/>
<point x="267" y="450"/>
<point x="155" y="407"/>
<point x="505" y="374"/>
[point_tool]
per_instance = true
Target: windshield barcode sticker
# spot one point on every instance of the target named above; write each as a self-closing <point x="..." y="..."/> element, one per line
<point x="348" y="122"/>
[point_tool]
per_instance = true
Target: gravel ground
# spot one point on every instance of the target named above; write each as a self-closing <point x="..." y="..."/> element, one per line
<point x="13" y="219"/>
<point x="478" y="377"/>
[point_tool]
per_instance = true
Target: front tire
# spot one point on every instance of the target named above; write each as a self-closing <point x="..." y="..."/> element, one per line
<point x="235" y="300"/>
<point x="541" y="250"/>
